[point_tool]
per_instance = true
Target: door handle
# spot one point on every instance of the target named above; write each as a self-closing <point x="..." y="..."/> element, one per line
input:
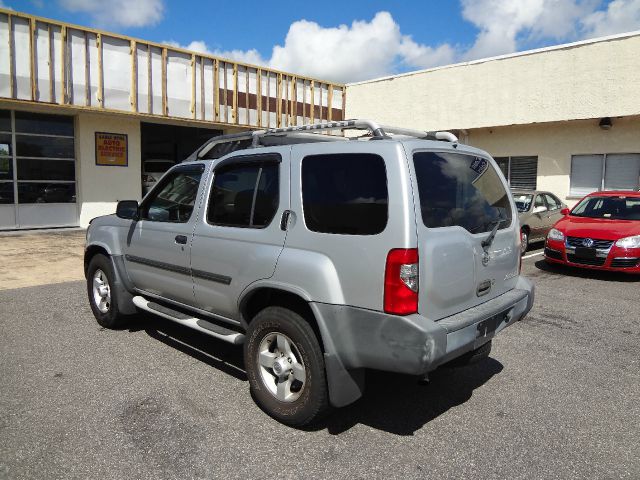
<point x="181" y="239"/>
<point x="284" y="221"/>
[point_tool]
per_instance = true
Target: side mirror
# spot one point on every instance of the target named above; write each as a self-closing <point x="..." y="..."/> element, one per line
<point x="540" y="209"/>
<point x="127" y="209"/>
<point x="565" y="211"/>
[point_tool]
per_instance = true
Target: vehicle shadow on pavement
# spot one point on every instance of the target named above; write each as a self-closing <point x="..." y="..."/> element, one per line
<point x="586" y="273"/>
<point x="399" y="404"/>
<point x="391" y="402"/>
<point x="218" y="354"/>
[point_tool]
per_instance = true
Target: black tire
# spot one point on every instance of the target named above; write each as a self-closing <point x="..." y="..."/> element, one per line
<point x="313" y="400"/>
<point x="474" y="356"/>
<point x="111" y="318"/>
<point x="524" y="239"/>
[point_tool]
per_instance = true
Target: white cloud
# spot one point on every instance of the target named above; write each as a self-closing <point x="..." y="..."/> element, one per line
<point x="120" y="13"/>
<point x="369" y="49"/>
<point x="620" y="16"/>
<point x="345" y="53"/>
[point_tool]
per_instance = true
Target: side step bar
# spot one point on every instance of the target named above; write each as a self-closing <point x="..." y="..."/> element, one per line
<point x="204" y="326"/>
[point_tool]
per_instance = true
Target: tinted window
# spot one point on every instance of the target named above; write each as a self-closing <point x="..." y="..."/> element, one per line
<point x="32" y="192"/>
<point x="6" y="192"/>
<point x="462" y="190"/>
<point x="5" y="121"/>
<point x="173" y="200"/>
<point x="27" y="122"/>
<point x="540" y="201"/>
<point x="244" y="195"/>
<point x="345" y="193"/>
<point x="552" y="202"/>
<point x="6" y="170"/>
<point x="36" y="169"/>
<point x="55" y="147"/>
<point x="5" y="144"/>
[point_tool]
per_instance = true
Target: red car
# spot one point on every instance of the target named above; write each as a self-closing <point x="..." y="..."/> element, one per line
<point x="601" y="232"/>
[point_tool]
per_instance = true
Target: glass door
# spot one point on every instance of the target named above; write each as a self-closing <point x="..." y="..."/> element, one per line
<point x="7" y="184"/>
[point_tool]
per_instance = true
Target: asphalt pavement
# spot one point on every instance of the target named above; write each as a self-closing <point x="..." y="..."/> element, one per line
<point x="559" y="398"/>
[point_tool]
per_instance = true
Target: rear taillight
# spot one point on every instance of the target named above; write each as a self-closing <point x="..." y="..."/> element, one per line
<point x="401" y="281"/>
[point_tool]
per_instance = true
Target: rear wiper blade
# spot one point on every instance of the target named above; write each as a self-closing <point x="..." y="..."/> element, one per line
<point x="486" y="243"/>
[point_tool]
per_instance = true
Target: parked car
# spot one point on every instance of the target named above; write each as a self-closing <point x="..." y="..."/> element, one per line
<point x="152" y="171"/>
<point x="323" y="256"/>
<point x="538" y="212"/>
<point x="601" y="232"/>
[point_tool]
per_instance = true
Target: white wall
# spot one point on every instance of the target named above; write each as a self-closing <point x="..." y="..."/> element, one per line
<point x="591" y="80"/>
<point x="101" y="187"/>
<point x="555" y="143"/>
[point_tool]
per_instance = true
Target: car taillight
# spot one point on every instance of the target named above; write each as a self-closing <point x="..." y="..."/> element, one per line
<point x="401" y="281"/>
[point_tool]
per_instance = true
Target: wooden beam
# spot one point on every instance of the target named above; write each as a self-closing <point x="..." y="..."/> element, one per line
<point x="193" y="86"/>
<point x="149" y="81"/>
<point x="51" y="65"/>
<point x="304" y="101"/>
<point x="268" y="99"/>
<point x="100" y="71"/>
<point x="279" y="101"/>
<point x="63" y="64"/>
<point x="295" y="101"/>
<point x="246" y="95"/>
<point x="165" y="107"/>
<point x="12" y="57"/>
<point x="216" y="90"/>
<point x="330" y="103"/>
<point x="32" y="55"/>
<point x="87" y="77"/>
<point x="134" y="76"/>
<point x="344" y="104"/>
<point x="320" y="103"/>
<point x="202" y="102"/>
<point x="234" y="112"/>
<point x="226" y="95"/>
<point x="259" y="96"/>
<point x="313" y="108"/>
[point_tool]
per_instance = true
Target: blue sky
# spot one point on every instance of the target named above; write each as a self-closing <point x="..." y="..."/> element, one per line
<point x="350" y="40"/>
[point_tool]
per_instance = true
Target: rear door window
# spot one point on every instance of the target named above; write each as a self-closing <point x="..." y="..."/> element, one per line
<point x="345" y="193"/>
<point x="460" y="190"/>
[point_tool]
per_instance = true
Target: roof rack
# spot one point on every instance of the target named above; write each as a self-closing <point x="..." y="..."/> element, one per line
<point x="307" y="134"/>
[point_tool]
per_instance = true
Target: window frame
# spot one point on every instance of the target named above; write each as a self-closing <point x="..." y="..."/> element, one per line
<point x="509" y="159"/>
<point x="153" y="193"/>
<point x="602" y="174"/>
<point x="261" y="159"/>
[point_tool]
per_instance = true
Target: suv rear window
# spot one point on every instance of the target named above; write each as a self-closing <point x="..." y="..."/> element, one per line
<point x="460" y="190"/>
<point x="345" y="193"/>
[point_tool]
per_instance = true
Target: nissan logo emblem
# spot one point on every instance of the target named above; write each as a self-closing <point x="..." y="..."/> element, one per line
<point x="587" y="242"/>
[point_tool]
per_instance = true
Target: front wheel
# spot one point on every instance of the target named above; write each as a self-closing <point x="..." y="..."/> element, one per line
<point x="285" y="366"/>
<point x="102" y="296"/>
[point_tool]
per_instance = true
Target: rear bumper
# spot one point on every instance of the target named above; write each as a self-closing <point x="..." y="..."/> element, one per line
<point x="355" y="338"/>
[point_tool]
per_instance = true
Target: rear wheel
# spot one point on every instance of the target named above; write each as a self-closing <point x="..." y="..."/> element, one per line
<point x="524" y="239"/>
<point x="285" y="366"/>
<point x="102" y="296"/>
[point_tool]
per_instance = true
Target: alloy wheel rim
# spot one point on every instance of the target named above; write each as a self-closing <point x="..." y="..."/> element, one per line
<point x="101" y="291"/>
<point x="281" y="367"/>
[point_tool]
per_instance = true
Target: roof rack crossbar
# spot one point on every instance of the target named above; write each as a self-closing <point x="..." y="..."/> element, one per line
<point x="376" y="130"/>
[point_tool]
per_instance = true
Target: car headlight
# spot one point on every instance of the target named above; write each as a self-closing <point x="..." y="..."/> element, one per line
<point x="629" y="242"/>
<point x="555" y="234"/>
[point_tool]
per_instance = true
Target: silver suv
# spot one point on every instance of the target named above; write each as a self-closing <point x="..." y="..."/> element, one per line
<point x="322" y="255"/>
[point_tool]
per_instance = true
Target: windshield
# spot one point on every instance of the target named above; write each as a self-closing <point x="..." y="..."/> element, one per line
<point x="460" y="190"/>
<point x="523" y="201"/>
<point x="614" y="208"/>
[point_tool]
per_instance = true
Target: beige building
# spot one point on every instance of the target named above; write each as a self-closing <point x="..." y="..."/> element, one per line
<point x="564" y="119"/>
<point x="86" y="115"/>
